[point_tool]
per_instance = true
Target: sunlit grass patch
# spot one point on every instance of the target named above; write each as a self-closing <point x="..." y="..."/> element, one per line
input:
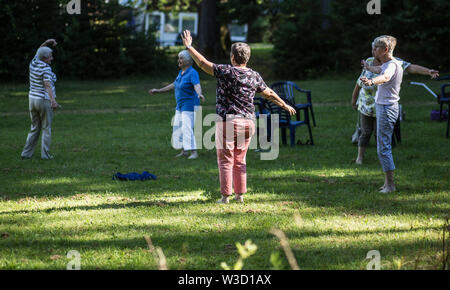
<point x="329" y="209"/>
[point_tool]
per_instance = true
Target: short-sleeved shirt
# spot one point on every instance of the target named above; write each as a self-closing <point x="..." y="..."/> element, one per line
<point x="389" y="92"/>
<point x="185" y="94"/>
<point x="366" y="98"/>
<point x="39" y="73"/>
<point x="236" y="88"/>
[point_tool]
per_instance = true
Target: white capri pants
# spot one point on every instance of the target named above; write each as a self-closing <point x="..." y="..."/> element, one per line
<point x="183" y="131"/>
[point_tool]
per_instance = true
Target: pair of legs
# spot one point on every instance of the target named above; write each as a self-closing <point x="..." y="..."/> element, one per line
<point x="368" y="126"/>
<point x="386" y="117"/>
<point x="183" y="134"/>
<point x="41" y="115"/>
<point x="232" y="141"/>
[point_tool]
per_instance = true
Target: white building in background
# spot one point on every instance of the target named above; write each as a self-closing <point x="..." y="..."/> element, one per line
<point x="238" y="32"/>
<point x="169" y="26"/>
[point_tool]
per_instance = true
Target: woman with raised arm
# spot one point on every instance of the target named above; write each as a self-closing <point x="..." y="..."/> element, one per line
<point x="236" y="87"/>
<point x="42" y="101"/>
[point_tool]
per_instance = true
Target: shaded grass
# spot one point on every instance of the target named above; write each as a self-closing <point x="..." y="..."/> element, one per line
<point x="72" y="203"/>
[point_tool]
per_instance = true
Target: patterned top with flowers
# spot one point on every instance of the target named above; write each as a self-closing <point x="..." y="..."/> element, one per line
<point x="236" y="88"/>
<point x="366" y="98"/>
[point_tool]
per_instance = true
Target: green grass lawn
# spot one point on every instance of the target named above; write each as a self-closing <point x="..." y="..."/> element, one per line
<point x="48" y="208"/>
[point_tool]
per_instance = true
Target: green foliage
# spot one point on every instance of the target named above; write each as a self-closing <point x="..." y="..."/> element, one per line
<point x="276" y="260"/>
<point x="313" y="42"/>
<point x="245" y="251"/>
<point x="96" y="44"/>
<point x="297" y="41"/>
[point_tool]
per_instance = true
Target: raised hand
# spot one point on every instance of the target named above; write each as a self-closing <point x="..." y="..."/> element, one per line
<point x="187" y="38"/>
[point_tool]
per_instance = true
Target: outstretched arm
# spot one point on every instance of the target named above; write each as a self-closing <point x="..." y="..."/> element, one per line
<point x="376" y="81"/>
<point x="420" y="70"/>
<point x="162" y="90"/>
<point x="270" y="95"/>
<point x="374" y="69"/>
<point x="199" y="59"/>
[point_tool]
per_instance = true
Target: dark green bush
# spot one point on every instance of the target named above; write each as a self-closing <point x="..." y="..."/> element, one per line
<point x="309" y="42"/>
<point x="96" y="44"/>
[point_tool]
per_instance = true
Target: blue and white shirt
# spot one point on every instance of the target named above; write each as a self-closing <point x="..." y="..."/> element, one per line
<point x="40" y="72"/>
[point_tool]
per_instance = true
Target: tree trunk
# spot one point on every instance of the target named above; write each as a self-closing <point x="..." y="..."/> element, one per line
<point x="326" y="9"/>
<point x="209" y="43"/>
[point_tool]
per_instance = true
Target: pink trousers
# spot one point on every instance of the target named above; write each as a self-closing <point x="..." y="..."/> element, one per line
<point x="232" y="140"/>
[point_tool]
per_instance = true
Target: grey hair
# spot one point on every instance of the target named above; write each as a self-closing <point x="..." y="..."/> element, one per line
<point x="386" y="41"/>
<point x="185" y="54"/>
<point x="43" y="52"/>
<point x="241" y="52"/>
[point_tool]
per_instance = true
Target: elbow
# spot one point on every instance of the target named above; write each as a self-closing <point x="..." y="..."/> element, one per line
<point x="202" y="64"/>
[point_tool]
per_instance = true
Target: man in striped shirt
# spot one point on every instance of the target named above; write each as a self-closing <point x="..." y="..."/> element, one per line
<point x="42" y="101"/>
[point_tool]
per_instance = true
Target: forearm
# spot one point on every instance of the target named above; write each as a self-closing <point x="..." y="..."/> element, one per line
<point x="270" y="95"/>
<point x="355" y="93"/>
<point x="48" y="41"/>
<point x="198" y="89"/>
<point x="167" y="88"/>
<point x="201" y="61"/>
<point x="417" y="69"/>
<point x="49" y="90"/>
<point x="374" y="69"/>
<point x="379" y="80"/>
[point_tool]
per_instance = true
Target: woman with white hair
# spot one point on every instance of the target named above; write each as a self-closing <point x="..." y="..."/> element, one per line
<point x="42" y="101"/>
<point x="188" y="93"/>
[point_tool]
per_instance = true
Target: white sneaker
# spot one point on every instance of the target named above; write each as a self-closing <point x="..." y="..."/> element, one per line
<point x="239" y="198"/>
<point x="194" y="155"/>
<point x="181" y="154"/>
<point x="387" y="189"/>
<point x="223" y="200"/>
<point x="358" y="162"/>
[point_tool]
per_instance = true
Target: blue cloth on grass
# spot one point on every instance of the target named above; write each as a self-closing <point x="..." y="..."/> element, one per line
<point x="133" y="176"/>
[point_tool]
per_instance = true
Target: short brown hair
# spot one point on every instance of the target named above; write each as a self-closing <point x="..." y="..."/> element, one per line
<point x="241" y="52"/>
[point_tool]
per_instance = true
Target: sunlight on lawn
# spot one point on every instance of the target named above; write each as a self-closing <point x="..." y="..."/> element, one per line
<point x="326" y="172"/>
<point x="53" y="181"/>
<point x="329" y="209"/>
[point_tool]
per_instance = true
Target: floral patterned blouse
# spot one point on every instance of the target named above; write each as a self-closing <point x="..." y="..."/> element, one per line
<point x="366" y="98"/>
<point x="236" y="88"/>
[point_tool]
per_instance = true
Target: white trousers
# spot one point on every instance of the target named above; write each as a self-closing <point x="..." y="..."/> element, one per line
<point x="183" y="131"/>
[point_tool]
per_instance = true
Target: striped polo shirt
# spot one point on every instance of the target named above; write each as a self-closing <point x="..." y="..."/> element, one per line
<point x="40" y="72"/>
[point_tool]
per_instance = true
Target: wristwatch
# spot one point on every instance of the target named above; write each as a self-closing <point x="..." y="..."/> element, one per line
<point x="188" y="46"/>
